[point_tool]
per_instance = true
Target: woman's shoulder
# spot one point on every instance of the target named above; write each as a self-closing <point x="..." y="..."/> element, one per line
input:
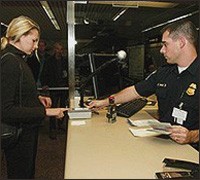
<point x="7" y="56"/>
<point x="11" y="50"/>
<point x="9" y="61"/>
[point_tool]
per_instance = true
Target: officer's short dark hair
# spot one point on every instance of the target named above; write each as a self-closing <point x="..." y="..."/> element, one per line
<point x="182" y="27"/>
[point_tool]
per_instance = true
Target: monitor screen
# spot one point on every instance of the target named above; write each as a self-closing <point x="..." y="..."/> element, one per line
<point x="108" y="80"/>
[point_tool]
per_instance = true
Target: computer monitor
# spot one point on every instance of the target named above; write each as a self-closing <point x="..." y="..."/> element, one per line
<point x="108" y="80"/>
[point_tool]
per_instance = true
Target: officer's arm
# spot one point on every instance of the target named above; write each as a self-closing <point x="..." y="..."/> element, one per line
<point x="126" y="95"/>
<point x="123" y="96"/>
<point x="193" y="136"/>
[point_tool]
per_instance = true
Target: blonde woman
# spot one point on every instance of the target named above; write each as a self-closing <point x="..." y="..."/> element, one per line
<point x="20" y="102"/>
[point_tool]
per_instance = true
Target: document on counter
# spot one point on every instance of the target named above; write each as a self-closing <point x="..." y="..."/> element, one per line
<point x="143" y="122"/>
<point x="144" y="132"/>
<point x="149" y="127"/>
<point x="160" y="126"/>
<point x="154" y="123"/>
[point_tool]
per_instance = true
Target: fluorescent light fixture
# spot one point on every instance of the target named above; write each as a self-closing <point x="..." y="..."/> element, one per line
<point x="170" y="21"/>
<point x="119" y="14"/>
<point x="125" y="6"/>
<point x="80" y="2"/>
<point x="50" y="14"/>
<point x="132" y="4"/>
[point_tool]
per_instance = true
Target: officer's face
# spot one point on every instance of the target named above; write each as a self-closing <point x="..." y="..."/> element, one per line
<point x="170" y="48"/>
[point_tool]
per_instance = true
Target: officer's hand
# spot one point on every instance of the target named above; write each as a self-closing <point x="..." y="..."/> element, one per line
<point x="98" y="104"/>
<point x="179" y="134"/>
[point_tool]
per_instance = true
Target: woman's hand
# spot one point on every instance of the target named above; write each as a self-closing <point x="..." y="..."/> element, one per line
<point x="57" y="112"/>
<point x="46" y="101"/>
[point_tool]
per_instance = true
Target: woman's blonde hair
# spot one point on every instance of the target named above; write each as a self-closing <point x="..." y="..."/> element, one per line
<point x="18" y="26"/>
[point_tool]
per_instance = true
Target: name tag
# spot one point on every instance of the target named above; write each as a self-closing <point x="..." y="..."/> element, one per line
<point x="161" y="85"/>
<point x="179" y="115"/>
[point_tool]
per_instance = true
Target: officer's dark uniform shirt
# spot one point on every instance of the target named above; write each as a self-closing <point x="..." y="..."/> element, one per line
<point x="172" y="88"/>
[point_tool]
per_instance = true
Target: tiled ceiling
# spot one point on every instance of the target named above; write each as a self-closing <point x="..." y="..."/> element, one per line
<point x="102" y="29"/>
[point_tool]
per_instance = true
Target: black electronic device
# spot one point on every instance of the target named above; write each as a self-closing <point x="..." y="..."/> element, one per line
<point x="130" y="108"/>
<point x="107" y="79"/>
<point x="191" y="169"/>
<point x="180" y="164"/>
<point x="174" y="175"/>
<point x="104" y="74"/>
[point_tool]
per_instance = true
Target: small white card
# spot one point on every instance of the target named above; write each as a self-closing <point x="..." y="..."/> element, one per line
<point x="78" y="123"/>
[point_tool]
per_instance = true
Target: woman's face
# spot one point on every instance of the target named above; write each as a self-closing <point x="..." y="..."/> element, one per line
<point x="29" y="42"/>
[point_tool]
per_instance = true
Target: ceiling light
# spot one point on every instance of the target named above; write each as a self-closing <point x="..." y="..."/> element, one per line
<point x="125" y="6"/>
<point x="119" y="14"/>
<point x="80" y="2"/>
<point x="170" y="21"/>
<point x="137" y="3"/>
<point x="50" y="14"/>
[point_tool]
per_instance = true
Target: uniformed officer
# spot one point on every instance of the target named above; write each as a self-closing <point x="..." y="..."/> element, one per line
<point x="175" y="84"/>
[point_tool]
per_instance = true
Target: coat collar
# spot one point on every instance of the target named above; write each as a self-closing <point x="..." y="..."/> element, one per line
<point x="14" y="50"/>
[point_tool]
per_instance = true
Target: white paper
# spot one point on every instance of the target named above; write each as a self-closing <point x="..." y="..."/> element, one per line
<point x="78" y="123"/>
<point x="159" y="131"/>
<point x="160" y="125"/>
<point x="141" y="123"/>
<point x="144" y="132"/>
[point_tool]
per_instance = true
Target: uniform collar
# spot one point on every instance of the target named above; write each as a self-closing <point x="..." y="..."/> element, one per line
<point x="194" y="66"/>
<point x="191" y="69"/>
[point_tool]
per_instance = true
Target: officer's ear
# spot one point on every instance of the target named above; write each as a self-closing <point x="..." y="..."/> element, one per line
<point x="182" y="41"/>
